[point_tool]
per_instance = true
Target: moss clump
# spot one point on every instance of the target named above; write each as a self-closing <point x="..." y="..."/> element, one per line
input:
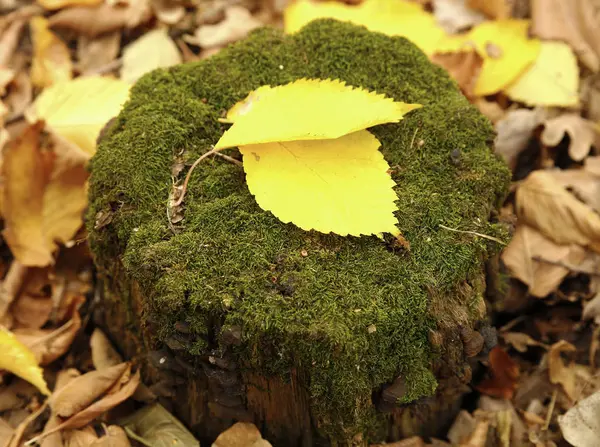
<point x="234" y="264"/>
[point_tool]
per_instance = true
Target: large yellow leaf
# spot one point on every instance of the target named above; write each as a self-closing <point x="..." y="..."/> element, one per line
<point x="507" y="52"/>
<point x="19" y="360"/>
<point x="51" y="61"/>
<point x="338" y="185"/>
<point x="310" y="109"/>
<point x="553" y="80"/>
<point x="391" y="17"/>
<point x="77" y="110"/>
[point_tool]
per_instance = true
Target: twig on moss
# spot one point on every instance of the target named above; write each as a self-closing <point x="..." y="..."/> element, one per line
<point x="474" y="233"/>
<point x="189" y="174"/>
<point x="230" y="159"/>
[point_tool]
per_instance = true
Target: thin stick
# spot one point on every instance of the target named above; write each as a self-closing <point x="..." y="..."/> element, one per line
<point x="136" y="437"/>
<point x="230" y="159"/>
<point x="53" y="334"/>
<point x="570" y="267"/>
<point x="16" y="440"/>
<point x="189" y="174"/>
<point x="474" y="233"/>
<point x="550" y="410"/>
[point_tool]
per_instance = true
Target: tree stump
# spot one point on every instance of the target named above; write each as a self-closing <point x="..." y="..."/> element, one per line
<point x="318" y="339"/>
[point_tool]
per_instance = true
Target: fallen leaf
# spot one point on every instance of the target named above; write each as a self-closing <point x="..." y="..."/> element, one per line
<point x="592" y="165"/>
<point x="9" y="40"/>
<point x="504" y="375"/>
<point x="95" y="53"/>
<point x="454" y="16"/>
<point x="77" y="110"/>
<point x="154" y="49"/>
<point x="413" y="441"/>
<point x="104" y="354"/>
<point x="496" y="9"/>
<point x="240" y="434"/>
<point x="79" y="438"/>
<point x="545" y="205"/>
<point x="590" y="96"/>
<point x="93" y="21"/>
<point x="580" y="425"/>
<point x="51" y="57"/>
<point x="85" y="389"/>
<point x="479" y="436"/>
<point x="237" y="24"/>
<point x="6" y="77"/>
<point x="59" y="4"/>
<point x="55" y="440"/>
<point x="591" y="309"/>
<point x="542" y="278"/>
<point x="159" y="427"/>
<point x="116" y="437"/>
<point x="463" y="66"/>
<point x="464" y="424"/>
<point x="581" y="182"/>
<point x="552" y="80"/>
<point x="281" y="113"/>
<point x="6" y="432"/>
<point x="11" y="285"/>
<point x="20" y="94"/>
<point x="558" y="371"/>
<point x="19" y="360"/>
<point x="520" y="341"/>
<point x="169" y="12"/>
<point x="583" y="134"/>
<point x="32" y="311"/>
<point x="514" y="131"/>
<point x="574" y="22"/>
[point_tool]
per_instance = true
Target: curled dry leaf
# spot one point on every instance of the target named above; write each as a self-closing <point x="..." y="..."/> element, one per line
<point x="237" y="24"/>
<point x="558" y="371"/>
<point x="97" y="52"/>
<point x="154" y="49"/>
<point x="104" y="355"/>
<point x="32" y="311"/>
<point x="504" y="375"/>
<point x="574" y="22"/>
<point x="93" y="21"/>
<point x="580" y="425"/>
<point x="115" y="437"/>
<point x="11" y="285"/>
<point x="463" y="66"/>
<point x="51" y="57"/>
<point x="169" y="12"/>
<point x="514" y="132"/>
<point x="583" y="183"/>
<point x="526" y="252"/>
<point x="241" y="434"/>
<point x="454" y="16"/>
<point x="545" y="205"/>
<point x="55" y="439"/>
<point x="583" y="134"/>
<point x="520" y="341"/>
<point x="84" y="390"/>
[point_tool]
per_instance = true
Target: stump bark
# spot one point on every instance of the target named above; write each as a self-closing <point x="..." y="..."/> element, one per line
<point x="234" y="315"/>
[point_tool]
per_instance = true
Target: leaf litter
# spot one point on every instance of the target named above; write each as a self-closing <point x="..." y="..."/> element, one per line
<point x="532" y="67"/>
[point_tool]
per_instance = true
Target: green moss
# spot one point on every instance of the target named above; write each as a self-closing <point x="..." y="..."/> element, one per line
<point x="234" y="264"/>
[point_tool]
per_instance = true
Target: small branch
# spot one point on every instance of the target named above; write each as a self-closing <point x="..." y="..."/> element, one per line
<point x="230" y="159"/>
<point x="571" y="267"/>
<point x="474" y="233"/>
<point x="16" y="440"/>
<point x="550" y="410"/>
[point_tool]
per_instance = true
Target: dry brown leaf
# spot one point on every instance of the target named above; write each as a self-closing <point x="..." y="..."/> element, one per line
<point x="479" y="436"/>
<point x="592" y="165"/>
<point x="496" y="9"/>
<point x="58" y="4"/>
<point x="84" y="390"/>
<point x="583" y="183"/>
<point x="574" y="22"/>
<point x="241" y="434"/>
<point x="545" y="205"/>
<point x="106" y="17"/>
<point x="580" y="425"/>
<point x="6" y="77"/>
<point x="463" y="66"/>
<point x="514" y="132"/>
<point x="413" y="441"/>
<point x="583" y="134"/>
<point x="20" y="94"/>
<point x="520" y="341"/>
<point x="26" y="172"/>
<point x="591" y="309"/>
<point x="9" y="40"/>
<point x="104" y="355"/>
<point x="169" y="12"/>
<point x="504" y="375"/>
<point x="560" y="373"/>
<point x="11" y="285"/>
<point x="454" y="16"/>
<point x="96" y="53"/>
<point x="462" y="427"/>
<point x="79" y="438"/>
<point x="55" y="440"/>
<point x="6" y="432"/>
<point x="590" y="96"/>
<point x="237" y="24"/>
<point x="154" y="49"/>
<point x="32" y="311"/>
<point x="115" y="437"/>
<point x="542" y="278"/>
<point x="51" y="61"/>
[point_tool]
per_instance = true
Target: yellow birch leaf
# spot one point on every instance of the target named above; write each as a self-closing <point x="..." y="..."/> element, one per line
<point x="338" y="185"/>
<point x="51" y="61"/>
<point x="77" y="110"/>
<point x="553" y="79"/>
<point x="310" y="109"/>
<point x="506" y="50"/>
<point x="19" y="360"/>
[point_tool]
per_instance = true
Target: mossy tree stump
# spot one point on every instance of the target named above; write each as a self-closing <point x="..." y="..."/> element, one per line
<point x="316" y="338"/>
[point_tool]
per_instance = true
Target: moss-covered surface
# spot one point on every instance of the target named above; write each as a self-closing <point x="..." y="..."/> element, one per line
<point x="233" y="264"/>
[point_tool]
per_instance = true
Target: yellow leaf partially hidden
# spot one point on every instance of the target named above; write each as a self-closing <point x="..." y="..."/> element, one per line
<point x="77" y="110"/>
<point x="391" y="17"/>
<point x="506" y="50"/>
<point x="51" y="61"/>
<point x="339" y="185"/>
<point x="310" y="109"/>
<point x="553" y="80"/>
<point x="19" y="360"/>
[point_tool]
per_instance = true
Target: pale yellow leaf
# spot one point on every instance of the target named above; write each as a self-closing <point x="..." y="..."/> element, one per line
<point x="77" y="110"/>
<point x="310" y="109"/>
<point x="51" y="61"/>
<point x="19" y="360"/>
<point x="154" y="49"/>
<point x="553" y="79"/>
<point x="338" y="185"/>
<point x="581" y="425"/>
